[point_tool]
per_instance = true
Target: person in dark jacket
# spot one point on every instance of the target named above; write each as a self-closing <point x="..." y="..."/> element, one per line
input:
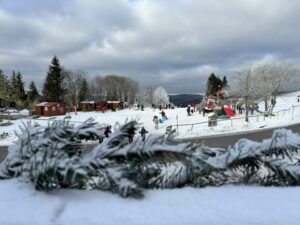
<point x="107" y="131"/>
<point x="163" y="114"/>
<point x="188" y="110"/>
<point x="143" y="133"/>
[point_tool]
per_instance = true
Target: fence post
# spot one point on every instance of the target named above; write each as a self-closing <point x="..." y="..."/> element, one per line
<point x="293" y="113"/>
<point x="177" y="124"/>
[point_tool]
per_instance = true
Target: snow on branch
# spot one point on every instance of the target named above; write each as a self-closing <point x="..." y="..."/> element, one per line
<point x="50" y="158"/>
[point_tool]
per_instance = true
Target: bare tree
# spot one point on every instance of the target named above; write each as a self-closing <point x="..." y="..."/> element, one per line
<point x="270" y="76"/>
<point x="160" y="96"/>
<point x="97" y="93"/>
<point x="72" y="83"/>
<point x="119" y="88"/>
<point x="147" y="95"/>
<point x="244" y="86"/>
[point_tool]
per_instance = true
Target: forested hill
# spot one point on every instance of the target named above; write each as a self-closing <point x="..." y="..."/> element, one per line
<point x="185" y="99"/>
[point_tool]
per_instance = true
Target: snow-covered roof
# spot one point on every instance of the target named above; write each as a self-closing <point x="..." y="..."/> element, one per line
<point x="41" y="104"/>
<point x="88" y="102"/>
<point x="113" y="101"/>
<point x="47" y="103"/>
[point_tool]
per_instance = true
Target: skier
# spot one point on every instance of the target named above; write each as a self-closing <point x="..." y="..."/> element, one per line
<point x="143" y="133"/>
<point x="155" y="120"/>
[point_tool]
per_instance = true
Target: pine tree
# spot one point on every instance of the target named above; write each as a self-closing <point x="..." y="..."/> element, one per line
<point x="224" y="82"/>
<point x="4" y="88"/>
<point x="13" y="93"/>
<point x="33" y="93"/>
<point x="53" y="86"/>
<point x="20" y="86"/>
<point x="17" y="92"/>
<point x="213" y="84"/>
<point x="83" y="91"/>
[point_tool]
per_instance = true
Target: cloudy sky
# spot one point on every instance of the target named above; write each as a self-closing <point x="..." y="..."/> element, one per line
<point x="172" y="43"/>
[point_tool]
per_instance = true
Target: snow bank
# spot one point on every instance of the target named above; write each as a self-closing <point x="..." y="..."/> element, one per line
<point x="20" y="205"/>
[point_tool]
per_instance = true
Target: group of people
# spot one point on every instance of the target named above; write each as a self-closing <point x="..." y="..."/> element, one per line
<point x="107" y="132"/>
<point x="157" y="120"/>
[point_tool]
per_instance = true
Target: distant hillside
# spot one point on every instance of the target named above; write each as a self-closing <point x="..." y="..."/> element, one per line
<point x="185" y="99"/>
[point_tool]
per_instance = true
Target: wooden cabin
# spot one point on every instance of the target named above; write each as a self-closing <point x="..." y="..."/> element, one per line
<point x="50" y="109"/>
<point x="87" y="106"/>
<point x="101" y="106"/>
<point x="114" y="105"/>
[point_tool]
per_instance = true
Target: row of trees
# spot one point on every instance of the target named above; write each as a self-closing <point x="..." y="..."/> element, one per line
<point x="262" y="81"/>
<point x="62" y="85"/>
<point x="72" y="87"/>
<point x="12" y="90"/>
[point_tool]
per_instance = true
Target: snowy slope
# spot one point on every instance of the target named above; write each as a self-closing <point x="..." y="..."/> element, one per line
<point x="235" y="205"/>
<point x="145" y="117"/>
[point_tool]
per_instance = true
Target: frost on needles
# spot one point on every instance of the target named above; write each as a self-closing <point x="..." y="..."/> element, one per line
<point x="52" y="158"/>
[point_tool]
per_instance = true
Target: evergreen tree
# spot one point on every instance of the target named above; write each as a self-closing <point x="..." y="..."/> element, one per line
<point x="4" y="88"/>
<point x="20" y="87"/>
<point x="13" y="92"/>
<point x="33" y="93"/>
<point x="53" y="86"/>
<point x="213" y="84"/>
<point x="83" y="91"/>
<point x="17" y="92"/>
<point x="224" y="82"/>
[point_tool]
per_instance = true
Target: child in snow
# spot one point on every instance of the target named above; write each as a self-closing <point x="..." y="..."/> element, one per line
<point x="155" y="120"/>
<point x="163" y="114"/>
<point x="143" y="133"/>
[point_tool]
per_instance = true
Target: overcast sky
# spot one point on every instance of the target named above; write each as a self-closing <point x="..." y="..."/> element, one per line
<point x="176" y="44"/>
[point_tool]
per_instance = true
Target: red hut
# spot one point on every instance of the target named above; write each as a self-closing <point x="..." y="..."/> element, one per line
<point x="101" y="106"/>
<point x="50" y="109"/>
<point x="87" y="106"/>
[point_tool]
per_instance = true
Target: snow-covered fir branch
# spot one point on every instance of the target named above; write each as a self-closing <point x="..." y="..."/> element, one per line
<point x="50" y="158"/>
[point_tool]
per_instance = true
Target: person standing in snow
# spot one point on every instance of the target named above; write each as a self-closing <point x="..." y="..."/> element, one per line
<point x="155" y="120"/>
<point x="163" y="114"/>
<point x="107" y="131"/>
<point x="188" y="110"/>
<point x="143" y="133"/>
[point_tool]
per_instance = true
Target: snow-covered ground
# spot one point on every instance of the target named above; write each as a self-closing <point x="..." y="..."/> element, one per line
<point x="20" y="204"/>
<point x="237" y="124"/>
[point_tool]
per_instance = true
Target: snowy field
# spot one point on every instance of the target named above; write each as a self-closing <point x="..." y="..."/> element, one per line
<point x="227" y="205"/>
<point x="237" y="124"/>
<point x="20" y="204"/>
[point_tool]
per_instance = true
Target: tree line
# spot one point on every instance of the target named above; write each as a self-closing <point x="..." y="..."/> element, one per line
<point x="66" y="86"/>
<point x="12" y="90"/>
<point x="73" y="87"/>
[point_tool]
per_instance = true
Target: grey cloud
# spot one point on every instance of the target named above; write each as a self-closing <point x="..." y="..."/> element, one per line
<point x="155" y="42"/>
